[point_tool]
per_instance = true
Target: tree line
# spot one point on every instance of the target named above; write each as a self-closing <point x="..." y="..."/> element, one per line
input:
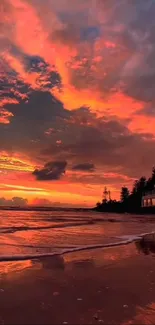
<point x="130" y="201"/>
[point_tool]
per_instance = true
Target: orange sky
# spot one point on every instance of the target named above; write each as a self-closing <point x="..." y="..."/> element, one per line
<point x="77" y="98"/>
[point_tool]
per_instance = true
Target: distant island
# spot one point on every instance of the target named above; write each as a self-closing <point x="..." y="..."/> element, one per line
<point x="140" y="200"/>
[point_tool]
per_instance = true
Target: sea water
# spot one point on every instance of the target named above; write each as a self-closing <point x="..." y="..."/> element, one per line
<point x="31" y="234"/>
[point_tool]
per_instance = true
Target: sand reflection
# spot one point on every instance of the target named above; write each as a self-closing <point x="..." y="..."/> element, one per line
<point x="10" y="268"/>
<point x="144" y="315"/>
<point x="100" y="257"/>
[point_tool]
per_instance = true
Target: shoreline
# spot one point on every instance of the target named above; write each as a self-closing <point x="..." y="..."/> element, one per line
<point x="113" y="286"/>
<point x="129" y="240"/>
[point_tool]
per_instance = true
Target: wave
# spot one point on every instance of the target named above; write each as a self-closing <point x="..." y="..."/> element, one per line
<point x="37" y="247"/>
<point x="64" y="224"/>
<point x="9" y="230"/>
<point x="129" y="239"/>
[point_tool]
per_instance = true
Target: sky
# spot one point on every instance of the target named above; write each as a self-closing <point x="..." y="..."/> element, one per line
<point x="76" y="99"/>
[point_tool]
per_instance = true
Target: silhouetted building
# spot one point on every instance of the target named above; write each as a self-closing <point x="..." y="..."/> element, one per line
<point x="148" y="199"/>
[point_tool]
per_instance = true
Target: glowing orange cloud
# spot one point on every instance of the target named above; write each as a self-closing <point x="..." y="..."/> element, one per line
<point x="18" y="66"/>
<point x="5" y="116"/>
<point x="92" y="72"/>
<point x="142" y="123"/>
<point x="62" y="49"/>
<point x="15" y="163"/>
<point x="113" y="105"/>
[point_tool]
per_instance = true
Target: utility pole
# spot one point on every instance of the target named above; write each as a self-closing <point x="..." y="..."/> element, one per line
<point x="105" y="193"/>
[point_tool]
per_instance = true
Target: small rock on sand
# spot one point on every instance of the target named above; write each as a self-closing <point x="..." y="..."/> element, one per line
<point x="79" y="299"/>
<point x="56" y="293"/>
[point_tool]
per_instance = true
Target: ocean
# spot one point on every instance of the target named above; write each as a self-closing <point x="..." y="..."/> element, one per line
<point x="31" y="234"/>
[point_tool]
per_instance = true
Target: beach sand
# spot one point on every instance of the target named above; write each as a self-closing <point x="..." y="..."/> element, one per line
<point x="109" y="286"/>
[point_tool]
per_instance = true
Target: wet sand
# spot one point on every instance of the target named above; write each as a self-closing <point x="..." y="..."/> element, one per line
<point x="109" y="286"/>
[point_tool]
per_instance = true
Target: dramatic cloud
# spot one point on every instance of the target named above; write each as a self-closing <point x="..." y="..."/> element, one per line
<point x="107" y="144"/>
<point x="76" y="85"/>
<point x="52" y="171"/>
<point x="94" y="57"/>
<point x="84" y="167"/>
<point x="14" y="163"/>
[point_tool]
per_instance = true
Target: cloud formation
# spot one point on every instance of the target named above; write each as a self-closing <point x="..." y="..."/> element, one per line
<point x="76" y="85"/>
<point x="85" y="167"/>
<point x="51" y="171"/>
<point x="97" y="56"/>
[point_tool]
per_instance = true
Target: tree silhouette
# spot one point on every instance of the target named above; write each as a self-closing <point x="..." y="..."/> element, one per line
<point x="139" y="186"/>
<point x="124" y="194"/>
<point x="150" y="184"/>
<point x="98" y="204"/>
<point x="138" y="190"/>
<point x="129" y="202"/>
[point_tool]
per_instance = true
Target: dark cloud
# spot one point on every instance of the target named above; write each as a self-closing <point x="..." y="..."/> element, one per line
<point x="138" y="73"/>
<point x="128" y="24"/>
<point x="105" y="49"/>
<point x="31" y="119"/>
<point x="89" y="33"/>
<point x="84" y="167"/>
<point x="147" y="110"/>
<point x="108" y="143"/>
<point x="52" y="171"/>
<point x="129" y="66"/>
<point x="68" y="35"/>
